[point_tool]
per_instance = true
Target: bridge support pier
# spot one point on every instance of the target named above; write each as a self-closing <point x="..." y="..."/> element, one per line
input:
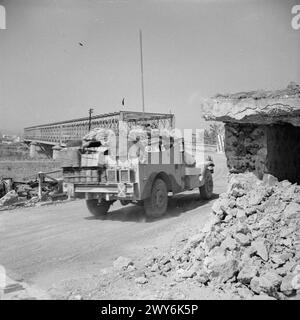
<point x="33" y="149"/>
<point x="55" y="151"/>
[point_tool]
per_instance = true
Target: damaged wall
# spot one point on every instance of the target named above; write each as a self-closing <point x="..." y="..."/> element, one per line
<point x="273" y="149"/>
<point x="246" y="147"/>
<point x="262" y="130"/>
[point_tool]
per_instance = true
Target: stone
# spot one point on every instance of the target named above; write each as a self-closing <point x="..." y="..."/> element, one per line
<point x="122" y="263"/>
<point x="229" y="243"/>
<point x="141" y="280"/>
<point x="255" y="197"/>
<point x="202" y="278"/>
<point x="296" y="282"/>
<point x="241" y="215"/>
<point x="242" y="228"/>
<point x="242" y="203"/>
<point x="199" y="253"/>
<point x="221" y="266"/>
<point x="212" y="240"/>
<point x="292" y="210"/>
<point x="228" y="218"/>
<point x="267" y="283"/>
<point x="167" y="268"/>
<point x="286" y="286"/>
<point x="196" y="239"/>
<point x="261" y="248"/>
<point x="10" y="198"/>
<point x="188" y="273"/>
<point x="237" y="192"/>
<point x="154" y="267"/>
<point x="284" y="233"/>
<point x="242" y="239"/>
<point x="250" y="211"/>
<point x="269" y="180"/>
<point x="244" y="293"/>
<point x="247" y="273"/>
<point x="280" y="259"/>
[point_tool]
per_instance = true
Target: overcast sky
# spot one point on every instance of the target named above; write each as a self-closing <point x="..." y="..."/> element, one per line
<point x="192" y="50"/>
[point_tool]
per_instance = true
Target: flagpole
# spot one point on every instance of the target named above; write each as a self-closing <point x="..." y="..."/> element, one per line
<point x="142" y="70"/>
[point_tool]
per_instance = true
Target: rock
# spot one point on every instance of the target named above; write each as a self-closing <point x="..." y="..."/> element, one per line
<point x="237" y="192"/>
<point x="261" y="248"/>
<point x="141" y="280"/>
<point x="269" y="180"/>
<point x="255" y="197"/>
<point x="296" y="282"/>
<point x="250" y="211"/>
<point x="245" y="293"/>
<point x="284" y="233"/>
<point x="242" y="228"/>
<point x="167" y="268"/>
<point x="154" y="268"/>
<point x="296" y="269"/>
<point x="221" y="207"/>
<point x="247" y="273"/>
<point x="199" y="253"/>
<point x="267" y="283"/>
<point x="188" y="273"/>
<point x="286" y="286"/>
<point x="241" y="215"/>
<point x="221" y="266"/>
<point x="212" y="240"/>
<point x="242" y="203"/>
<point x="196" y="239"/>
<point x="243" y="240"/>
<point x="292" y="210"/>
<point x="280" y="259"/>
<point x="229" y="243"/>
<point x="10" y="198"/>
<point x="228" y="218"/>
<point x="122" y="263"/>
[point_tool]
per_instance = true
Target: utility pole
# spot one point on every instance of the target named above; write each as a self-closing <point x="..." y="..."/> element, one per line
<point x="90" y="117"/>
<point x="142" y="70"/>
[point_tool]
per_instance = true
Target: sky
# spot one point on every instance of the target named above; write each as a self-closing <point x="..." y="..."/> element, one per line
<point x="191" y="49"/>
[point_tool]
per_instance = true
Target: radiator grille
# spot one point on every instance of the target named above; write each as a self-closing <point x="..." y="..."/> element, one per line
<point x="111" y="175"/>
<point x="124" y="175"/>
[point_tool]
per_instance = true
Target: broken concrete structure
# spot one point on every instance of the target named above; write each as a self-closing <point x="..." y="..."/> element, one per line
<point x="262" y="131"/>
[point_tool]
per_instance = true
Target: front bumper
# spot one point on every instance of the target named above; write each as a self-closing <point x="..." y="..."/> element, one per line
<point x="108" y="191"/>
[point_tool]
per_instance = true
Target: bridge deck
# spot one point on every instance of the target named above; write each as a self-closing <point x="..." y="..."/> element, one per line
<point x="63" y="131"/>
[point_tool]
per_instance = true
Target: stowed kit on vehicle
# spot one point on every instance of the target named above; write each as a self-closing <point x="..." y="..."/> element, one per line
<point x="134" y="158"/>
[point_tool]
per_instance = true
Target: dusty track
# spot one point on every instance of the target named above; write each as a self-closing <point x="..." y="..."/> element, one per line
<point x="46" y="245"/>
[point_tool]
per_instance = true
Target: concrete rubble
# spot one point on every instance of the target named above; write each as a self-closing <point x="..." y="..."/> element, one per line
<point x="251" y="245"/>
<point x="25" y="194"/>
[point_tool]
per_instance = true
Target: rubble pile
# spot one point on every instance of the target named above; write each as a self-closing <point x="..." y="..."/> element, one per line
<point x="26" y="193"/>
<point x="251" y="245"/>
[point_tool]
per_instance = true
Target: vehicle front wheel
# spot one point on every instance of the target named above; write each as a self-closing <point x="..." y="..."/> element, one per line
<point x="156" y="205"/>
<point x="97" y="208"/>
<point x="206" y="191"/>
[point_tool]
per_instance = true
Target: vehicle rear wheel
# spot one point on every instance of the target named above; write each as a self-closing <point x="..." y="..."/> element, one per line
<point x="156" y="205"/>
<point x="96" y="208"/>
<point x="206" y="191"/>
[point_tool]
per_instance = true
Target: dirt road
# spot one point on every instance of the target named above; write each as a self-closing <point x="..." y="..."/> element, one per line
<point x="47" y="245"/>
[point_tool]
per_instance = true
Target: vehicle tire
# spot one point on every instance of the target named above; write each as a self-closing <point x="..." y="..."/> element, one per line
<point x="156" y="205"/>
<point x="206" y="191"/>
<point x="97" y="209"/>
